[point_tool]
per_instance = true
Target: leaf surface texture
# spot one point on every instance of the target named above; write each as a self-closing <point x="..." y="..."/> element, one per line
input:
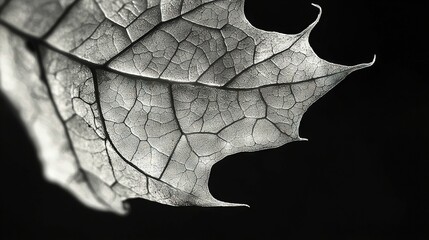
<point x="139" y="99"/>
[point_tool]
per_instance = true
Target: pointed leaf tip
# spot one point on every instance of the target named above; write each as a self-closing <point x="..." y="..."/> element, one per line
<point x="373" y="60"/>
<point x="364" y="65"/>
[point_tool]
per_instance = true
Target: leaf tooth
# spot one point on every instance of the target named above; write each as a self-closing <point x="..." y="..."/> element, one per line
<point x="311" y="27"/>
<point x="213" y="202"/>
<point x="305" y="34"/>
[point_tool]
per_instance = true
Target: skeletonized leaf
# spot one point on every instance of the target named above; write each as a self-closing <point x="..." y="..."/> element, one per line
<point x="139" y="99"/>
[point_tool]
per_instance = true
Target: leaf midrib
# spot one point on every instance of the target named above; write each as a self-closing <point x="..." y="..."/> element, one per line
<point x="42" y="41"/>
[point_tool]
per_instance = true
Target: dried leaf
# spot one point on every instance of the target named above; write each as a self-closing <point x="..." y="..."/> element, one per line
<point x="139" y="99"/>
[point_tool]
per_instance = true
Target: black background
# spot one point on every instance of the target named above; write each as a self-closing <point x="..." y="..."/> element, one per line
<point x="364" y="174"/>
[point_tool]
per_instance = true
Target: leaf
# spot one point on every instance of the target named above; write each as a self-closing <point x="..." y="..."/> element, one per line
<point x="139" y="99"/>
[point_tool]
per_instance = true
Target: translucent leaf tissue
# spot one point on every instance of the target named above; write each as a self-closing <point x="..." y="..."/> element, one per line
<point x="139" y="99"/>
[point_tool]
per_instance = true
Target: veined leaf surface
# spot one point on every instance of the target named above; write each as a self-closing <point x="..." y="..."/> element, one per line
<point x="139" y="99"/>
